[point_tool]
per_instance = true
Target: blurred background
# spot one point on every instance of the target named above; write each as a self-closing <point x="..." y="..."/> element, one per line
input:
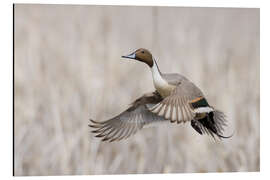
<point x="68" y="69"/>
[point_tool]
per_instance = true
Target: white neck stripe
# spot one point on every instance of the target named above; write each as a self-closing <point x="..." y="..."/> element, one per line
<point x="157" y="78"/>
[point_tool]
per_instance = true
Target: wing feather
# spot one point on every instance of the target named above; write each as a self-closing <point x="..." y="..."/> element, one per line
<point x="132" y="120"/>
<point x="180" y="98"/>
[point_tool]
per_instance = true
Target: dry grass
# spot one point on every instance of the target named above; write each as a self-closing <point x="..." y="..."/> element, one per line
<point x="68" y="69"/>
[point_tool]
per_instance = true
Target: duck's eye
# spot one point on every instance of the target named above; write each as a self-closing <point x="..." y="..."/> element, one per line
<point x="143" y="52"/>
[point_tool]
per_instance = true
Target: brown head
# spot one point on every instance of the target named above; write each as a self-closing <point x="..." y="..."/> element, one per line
<point x="142" y="55"/>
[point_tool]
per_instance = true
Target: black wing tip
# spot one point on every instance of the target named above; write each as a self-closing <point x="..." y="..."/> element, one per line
<point x="95" y="131"/>
<point x="98" y="133"/>
<point x="93" y="124"/>
<point x="105" y="139"/>
<point x="96" y="126"/>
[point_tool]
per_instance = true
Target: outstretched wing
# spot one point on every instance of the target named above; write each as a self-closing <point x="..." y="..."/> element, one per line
<point x="130" y="121"/>
<point x="182" y="105"/>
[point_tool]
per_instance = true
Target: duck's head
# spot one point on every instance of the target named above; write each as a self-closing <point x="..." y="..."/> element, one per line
<point x="142" y="55"/>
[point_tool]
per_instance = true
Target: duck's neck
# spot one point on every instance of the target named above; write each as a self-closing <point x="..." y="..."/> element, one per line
<point x="159" y="81"/>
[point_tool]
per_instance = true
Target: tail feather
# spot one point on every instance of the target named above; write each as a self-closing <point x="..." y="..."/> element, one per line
<point x="212" y="124"/>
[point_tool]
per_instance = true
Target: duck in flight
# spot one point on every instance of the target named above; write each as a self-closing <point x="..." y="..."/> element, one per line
<point x="175" y="100"/>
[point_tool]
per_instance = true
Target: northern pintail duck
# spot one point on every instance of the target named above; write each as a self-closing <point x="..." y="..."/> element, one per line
<point x="176" y="99"/>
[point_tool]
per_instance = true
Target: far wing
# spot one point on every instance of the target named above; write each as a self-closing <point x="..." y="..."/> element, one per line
<point x="130" y="121"/>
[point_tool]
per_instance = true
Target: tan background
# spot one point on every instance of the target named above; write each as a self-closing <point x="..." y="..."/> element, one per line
<point x="68" y="69"/>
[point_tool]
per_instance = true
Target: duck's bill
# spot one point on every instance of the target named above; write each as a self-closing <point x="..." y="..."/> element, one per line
<point x="131" y="56"/>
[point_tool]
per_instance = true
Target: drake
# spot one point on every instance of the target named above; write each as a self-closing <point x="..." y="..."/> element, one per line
<point x="176" y="99"/>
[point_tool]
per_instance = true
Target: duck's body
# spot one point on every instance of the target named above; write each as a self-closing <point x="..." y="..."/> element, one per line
<point x="176" y="99"/>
